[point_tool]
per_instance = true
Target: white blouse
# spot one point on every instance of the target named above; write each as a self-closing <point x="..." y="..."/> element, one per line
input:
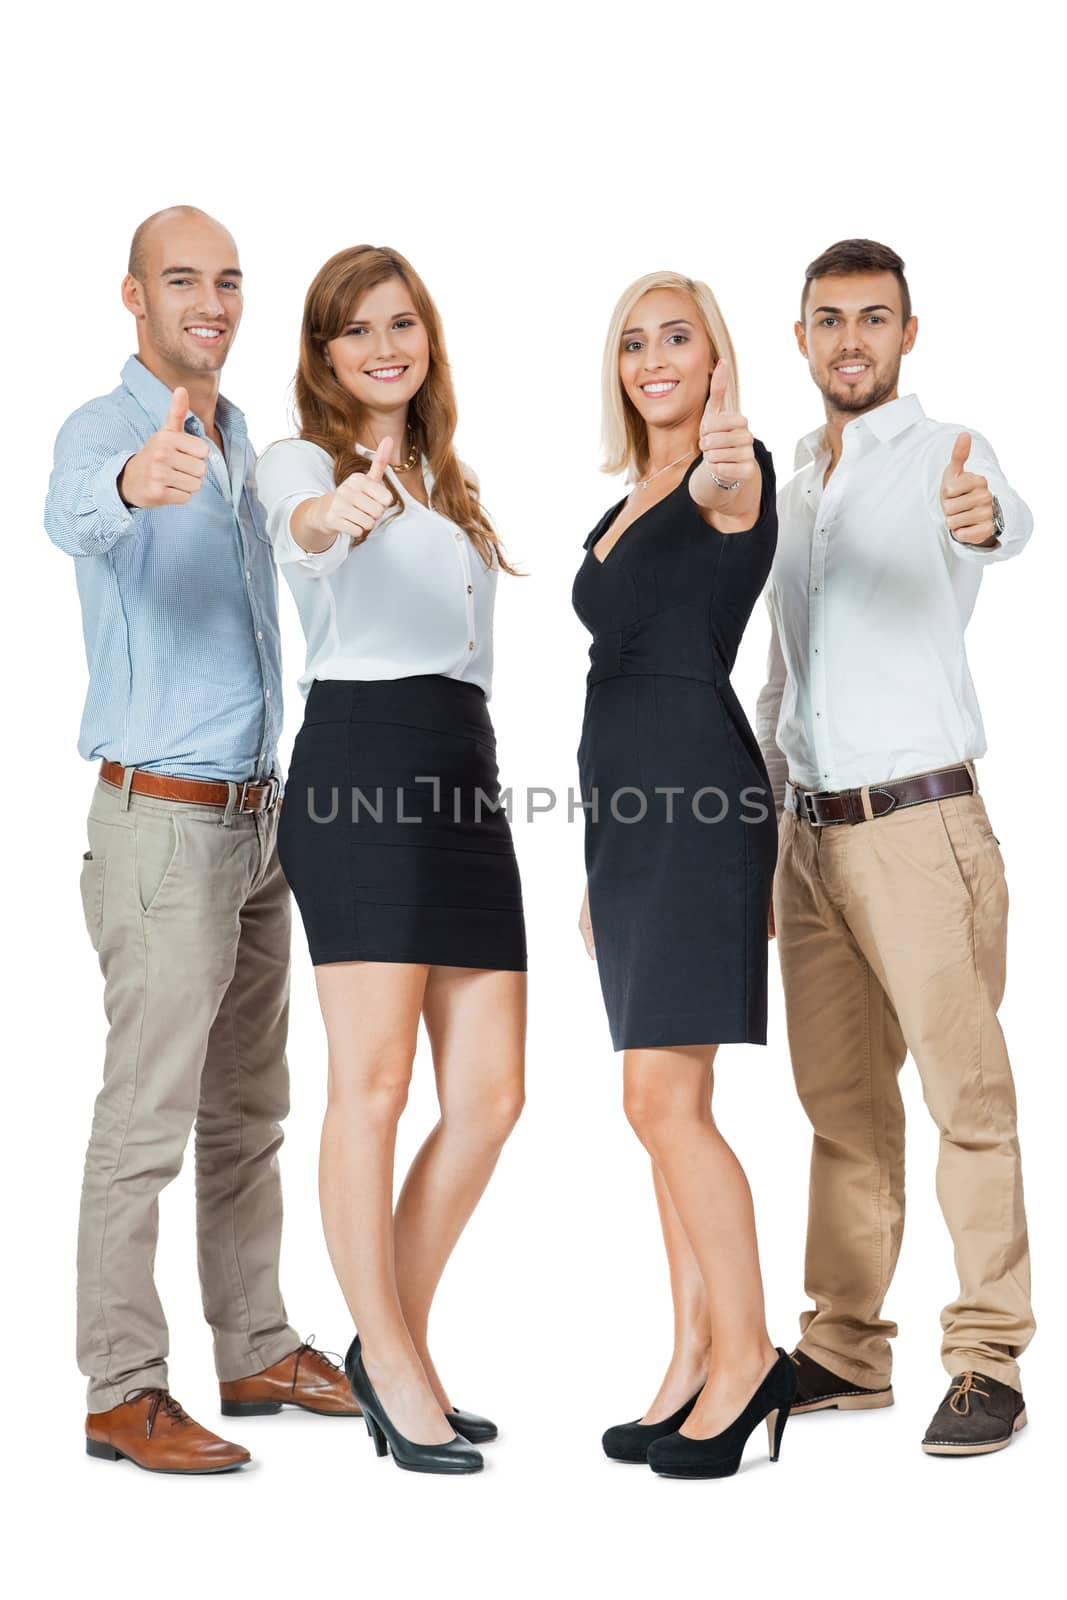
<point x="415" y="597"/>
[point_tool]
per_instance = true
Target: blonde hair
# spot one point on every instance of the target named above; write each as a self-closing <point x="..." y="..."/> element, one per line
<point x="624" y="435"/>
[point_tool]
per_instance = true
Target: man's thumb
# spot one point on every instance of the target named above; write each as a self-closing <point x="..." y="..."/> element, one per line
<point x="174" y="421"/>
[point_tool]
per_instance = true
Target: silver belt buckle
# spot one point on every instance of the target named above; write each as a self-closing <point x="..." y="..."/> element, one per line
<point x="273" y="786"/>
<point x="808" y="801"/>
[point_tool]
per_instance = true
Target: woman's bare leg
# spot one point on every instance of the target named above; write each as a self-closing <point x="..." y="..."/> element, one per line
<point x="688" y="1368"/>
<point x="476" y="1022"/>
<point x="371" y="1011"/>
<point x="668" y="1101"/>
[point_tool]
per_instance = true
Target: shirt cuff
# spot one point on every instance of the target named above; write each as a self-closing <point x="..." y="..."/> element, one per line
<point x="105" y="492"/>
<point x="289" y="552"/>
<point x="974" y="553"/>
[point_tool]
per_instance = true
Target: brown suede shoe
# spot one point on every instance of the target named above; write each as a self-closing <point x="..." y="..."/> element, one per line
<point x="977" y="1416"/>
<point x="818" y="1389"/>
<point x="306" y="1378"/>
<point x="151" y="1430"/>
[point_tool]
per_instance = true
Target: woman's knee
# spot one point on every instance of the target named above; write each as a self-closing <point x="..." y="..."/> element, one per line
<point x="375" y="1090"/>
<point x="655" y="1101"/>
<point x="489" y="1115"/>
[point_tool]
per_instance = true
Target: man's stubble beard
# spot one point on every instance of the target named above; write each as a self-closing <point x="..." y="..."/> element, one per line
<point x="175" y="352"/>
<point x="851" y="404"/>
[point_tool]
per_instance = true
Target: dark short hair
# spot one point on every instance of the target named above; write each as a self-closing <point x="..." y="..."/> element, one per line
<point x="853" y="256"/>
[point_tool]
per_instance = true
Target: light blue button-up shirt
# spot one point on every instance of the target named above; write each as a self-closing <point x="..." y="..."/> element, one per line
<point x="179" y="603"/>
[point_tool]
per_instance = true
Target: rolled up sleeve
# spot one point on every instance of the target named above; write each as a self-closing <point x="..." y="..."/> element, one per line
<point x="287" y="474"/>
<point x="84" y="513"/>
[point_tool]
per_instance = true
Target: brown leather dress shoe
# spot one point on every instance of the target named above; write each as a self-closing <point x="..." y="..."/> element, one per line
<point x="151" y="1430"/>
<point x="306" y="1378"/>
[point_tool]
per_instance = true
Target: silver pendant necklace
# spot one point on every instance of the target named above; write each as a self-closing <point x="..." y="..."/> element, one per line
<point x="643" y="483"/>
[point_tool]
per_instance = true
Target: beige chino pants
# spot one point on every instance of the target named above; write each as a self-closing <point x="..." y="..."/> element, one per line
<point x="191" y="923"/>
<point x="892" y="937"/>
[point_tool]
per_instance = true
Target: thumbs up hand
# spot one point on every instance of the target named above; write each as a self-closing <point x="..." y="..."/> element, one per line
<point x="170" y="468"/>
<point x="725" y="439"/>
<point x="355" y="505"/>
<point x="966" y="498"/>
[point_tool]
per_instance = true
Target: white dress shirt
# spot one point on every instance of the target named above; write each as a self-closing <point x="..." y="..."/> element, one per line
<point x="415" y="597"/>
<point x="869" y="596"/>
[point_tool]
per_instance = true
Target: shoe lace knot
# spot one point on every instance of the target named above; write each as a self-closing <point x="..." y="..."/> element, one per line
<point x="308" y="1348"/>
<point x="161" y="1399"/>
<point x="962" y="1391"/>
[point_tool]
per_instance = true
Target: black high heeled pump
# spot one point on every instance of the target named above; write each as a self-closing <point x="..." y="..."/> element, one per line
<point x="629" y="1441"/>
<point x="470" y="1426"/>
<point x="677" y="1456"/>
<point x="455" y="1455"/>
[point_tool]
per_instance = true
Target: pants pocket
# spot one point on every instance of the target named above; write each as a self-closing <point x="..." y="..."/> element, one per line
<point x="156" y="842"/>
<point x="92" y="893"/>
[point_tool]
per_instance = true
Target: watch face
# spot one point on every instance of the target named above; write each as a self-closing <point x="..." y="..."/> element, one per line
<point x="998" y="517"/>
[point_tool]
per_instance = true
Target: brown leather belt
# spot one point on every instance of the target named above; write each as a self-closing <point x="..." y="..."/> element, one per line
<point x="195" y="791"/>
<point x="823" y="810"/>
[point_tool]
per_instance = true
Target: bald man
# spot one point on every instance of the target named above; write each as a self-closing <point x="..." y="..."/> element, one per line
<point x="183" y="895"/>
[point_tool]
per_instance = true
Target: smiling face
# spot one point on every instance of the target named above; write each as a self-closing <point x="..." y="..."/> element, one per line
<point x="186" y="296"/>
<point x="854" y="337"/>
<point x="382" y="355"/>
<point x="665" y="359"/>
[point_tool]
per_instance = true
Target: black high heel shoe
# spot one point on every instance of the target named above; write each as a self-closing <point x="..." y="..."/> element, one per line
<point x="455" y="1455"/>
<point x="720" y="1456"/>
<point x="469" y="1426"/>
<point x="629" y="1441"/>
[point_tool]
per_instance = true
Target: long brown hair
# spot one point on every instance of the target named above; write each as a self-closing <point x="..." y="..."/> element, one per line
<point x="330" y="417"/>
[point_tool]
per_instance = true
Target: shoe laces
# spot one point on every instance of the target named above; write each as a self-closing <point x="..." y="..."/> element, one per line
<point x="308" y="1348"/>
<point x="160" y="1398"/>
<point x="961" y="1393"/>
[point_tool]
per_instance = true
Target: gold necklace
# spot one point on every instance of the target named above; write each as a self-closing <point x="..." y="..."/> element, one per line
<point x="643" y="483"/>
<point x="404" y="466"/>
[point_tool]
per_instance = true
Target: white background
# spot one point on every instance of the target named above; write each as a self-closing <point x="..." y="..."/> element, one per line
<point x="531" y="166"/>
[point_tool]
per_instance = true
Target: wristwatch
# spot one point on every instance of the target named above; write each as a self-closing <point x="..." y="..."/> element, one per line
<point x="998" y="519"/>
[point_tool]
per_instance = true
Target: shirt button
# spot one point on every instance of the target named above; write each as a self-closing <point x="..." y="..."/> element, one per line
<point x="470" y="644"/>
<point x="258" y="634"/>
<point x="268" y="694"/>
<point x="458" y="536"/>
<point x="470" y="588"/>
<point x="248" y="572"/>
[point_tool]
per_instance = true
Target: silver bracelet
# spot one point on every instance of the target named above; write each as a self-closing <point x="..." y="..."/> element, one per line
<point x="717" y="480"/>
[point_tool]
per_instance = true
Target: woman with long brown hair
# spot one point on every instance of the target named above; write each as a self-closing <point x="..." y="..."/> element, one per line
<point x="391" y="836"/>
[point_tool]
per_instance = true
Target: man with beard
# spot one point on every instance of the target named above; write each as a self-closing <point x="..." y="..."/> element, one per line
<point x="184" y="899"/>
<point x="889" y="901"/>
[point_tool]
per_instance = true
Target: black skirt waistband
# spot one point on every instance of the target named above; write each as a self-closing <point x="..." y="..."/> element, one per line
<point x="427" y="700"/>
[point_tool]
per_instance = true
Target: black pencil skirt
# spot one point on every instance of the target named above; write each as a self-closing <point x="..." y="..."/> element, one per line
<point x="392" y="836"/>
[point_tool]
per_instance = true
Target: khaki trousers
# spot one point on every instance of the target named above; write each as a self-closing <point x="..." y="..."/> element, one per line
<point x="892" y="936"/>
<point x="190" y="919"/>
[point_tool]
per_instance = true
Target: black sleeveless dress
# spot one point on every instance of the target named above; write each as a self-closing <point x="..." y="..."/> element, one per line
<point x="681" y="839"/>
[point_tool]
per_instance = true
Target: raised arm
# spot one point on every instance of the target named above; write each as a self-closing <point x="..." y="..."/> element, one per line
<point x="103" y="477"/>
<point x="730" y="459"/>
<point x="311" y="521"/>
<point x="964" y="507"/>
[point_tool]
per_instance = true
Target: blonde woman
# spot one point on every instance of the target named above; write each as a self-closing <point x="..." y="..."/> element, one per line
<point x="401" y="864"/>
<point x="681" y="840"/>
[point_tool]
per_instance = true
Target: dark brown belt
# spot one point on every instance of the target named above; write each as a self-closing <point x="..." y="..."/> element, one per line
<point x="195" y="791"/>
<point x="846" y="805"/>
